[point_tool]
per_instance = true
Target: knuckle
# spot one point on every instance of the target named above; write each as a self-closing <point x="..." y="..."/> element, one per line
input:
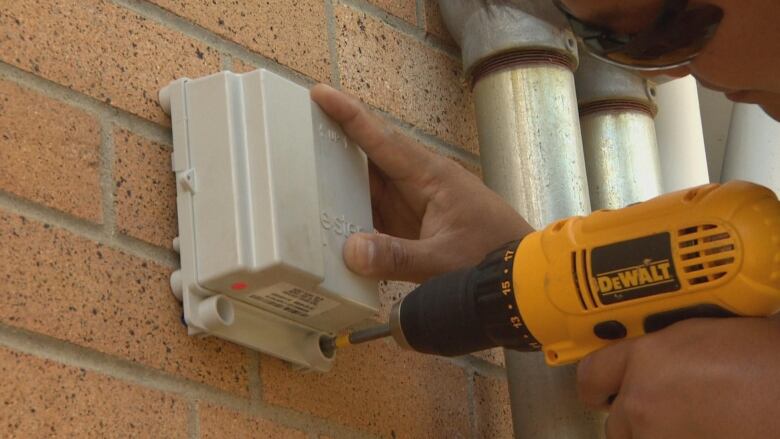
<point x="388" y="134"/>
<point x="357" y="113"/>
<point x="391" y="133"/>
<point x="400" y="256"/>
<point x="437" y="174"/>
<point x="361" y="111"/>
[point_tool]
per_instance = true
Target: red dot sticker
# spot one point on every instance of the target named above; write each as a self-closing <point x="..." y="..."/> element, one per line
<point x="238" y="286"/>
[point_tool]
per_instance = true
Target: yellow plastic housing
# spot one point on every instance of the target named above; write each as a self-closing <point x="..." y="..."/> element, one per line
<point x="723" y="249"/>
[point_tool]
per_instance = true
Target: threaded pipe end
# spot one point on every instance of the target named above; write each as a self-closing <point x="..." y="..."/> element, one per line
<point x="616" y="105"/>
<point x="520" y="58"/>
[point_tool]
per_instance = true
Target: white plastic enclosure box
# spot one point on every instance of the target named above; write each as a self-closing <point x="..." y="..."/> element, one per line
<point x="268" y="189"/>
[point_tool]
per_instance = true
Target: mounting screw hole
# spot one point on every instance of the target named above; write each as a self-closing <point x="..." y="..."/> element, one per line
<point x="225" y="311"/>
<point x="327" y="347"/>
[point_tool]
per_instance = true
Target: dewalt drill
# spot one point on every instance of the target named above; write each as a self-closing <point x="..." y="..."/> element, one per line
<point x="583" y="282"/>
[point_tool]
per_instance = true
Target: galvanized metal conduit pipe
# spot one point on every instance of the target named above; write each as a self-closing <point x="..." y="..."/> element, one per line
<point x="680" y="137"/>
<point x="618" y="134"/>
<point x="753" y="148"/>
<point x="531" y="154"/>
<point x="520" y="56"/>
<point x="529" y="137"/>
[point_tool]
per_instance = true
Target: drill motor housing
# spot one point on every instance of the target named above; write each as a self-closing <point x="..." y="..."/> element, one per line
<point x="584" y="282"/>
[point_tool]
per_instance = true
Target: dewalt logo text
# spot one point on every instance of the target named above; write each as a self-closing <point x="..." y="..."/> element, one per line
<point x="632" y="269"/>
<point x="648" y="274"/>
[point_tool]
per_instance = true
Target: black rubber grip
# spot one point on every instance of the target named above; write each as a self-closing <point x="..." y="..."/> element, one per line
<point x="439" y="317"/>
<point x="468" y="310"/>
<point x="658" y="321"/>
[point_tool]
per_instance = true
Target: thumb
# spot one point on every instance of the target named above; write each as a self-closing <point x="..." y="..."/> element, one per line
<point x="387" y="257"/>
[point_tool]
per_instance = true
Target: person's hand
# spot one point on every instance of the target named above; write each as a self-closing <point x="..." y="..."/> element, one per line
<point x="434" y="215"/>
<point x="702" y="378"/>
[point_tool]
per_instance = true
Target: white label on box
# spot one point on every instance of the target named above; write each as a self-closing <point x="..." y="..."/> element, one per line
<point x="292" y="300"/>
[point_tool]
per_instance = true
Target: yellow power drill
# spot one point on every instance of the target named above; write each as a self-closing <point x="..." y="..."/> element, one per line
<point x="584" y="282"/>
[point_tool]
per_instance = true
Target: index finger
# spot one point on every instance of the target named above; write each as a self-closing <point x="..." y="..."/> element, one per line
<point x="398" y="156"/>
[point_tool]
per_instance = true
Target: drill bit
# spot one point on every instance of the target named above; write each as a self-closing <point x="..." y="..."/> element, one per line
<point x="329" y="345"/>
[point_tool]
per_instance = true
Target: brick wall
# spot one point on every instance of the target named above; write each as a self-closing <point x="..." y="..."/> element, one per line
<point x="90" y="338"/>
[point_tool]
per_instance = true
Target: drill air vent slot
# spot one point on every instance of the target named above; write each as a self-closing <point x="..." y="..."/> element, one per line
<point x="707" y="253"/>
<point x="580" y="273"/>
<point x="576" y="280"/>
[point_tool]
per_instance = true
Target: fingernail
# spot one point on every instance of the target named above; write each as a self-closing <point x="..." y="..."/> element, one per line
<point x="359" y="254"/>
<point x="367" y="252"/>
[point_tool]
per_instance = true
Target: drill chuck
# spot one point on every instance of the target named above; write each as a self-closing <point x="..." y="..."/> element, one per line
<point x="464" y="311"/>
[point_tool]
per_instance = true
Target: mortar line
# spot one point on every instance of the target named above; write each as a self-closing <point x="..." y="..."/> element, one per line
<point x="404" y="27"/>
<point x="333" y="51"/>
<point x="86" y="229"/>
<point x="472" y="403"/>
<point x="225" y="61"/>
<point x="382" y="15"/>
<point x="193" y="421"/>
<point x="446" y="149"/>
<point x="420" y="11"/>
<point x="436" y="41"/>
<point x="143" y="249"/>
<point x="255" y="386"/>
<point x="106" y="177"/>
<point x="69" y="354"/>
<point x="216" y="41"/>
<point x="479" y="366"/>
<point x="429" y="139"/>
<point x="88" y="104"/>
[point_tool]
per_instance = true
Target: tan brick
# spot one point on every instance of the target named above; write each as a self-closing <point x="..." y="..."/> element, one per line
<point x="49" y="152"/>
<point x="144" y="189"/>
<point x="391" y="292"/>
<point x="494" y="415"/>
<point x="474" y="169"/>
<point x="102" y="50"/>
<point x="379" y="389"/>
<point x="65" y="286"/>
<point x="42" y="398"/>
<point x="291" y="33"/>
<point x="434" y="23"/>
<point x="219" y="422"/>
<point x="404" y="9"/>
<point x="494" y="356"/>
<point x="401" y="75"/>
